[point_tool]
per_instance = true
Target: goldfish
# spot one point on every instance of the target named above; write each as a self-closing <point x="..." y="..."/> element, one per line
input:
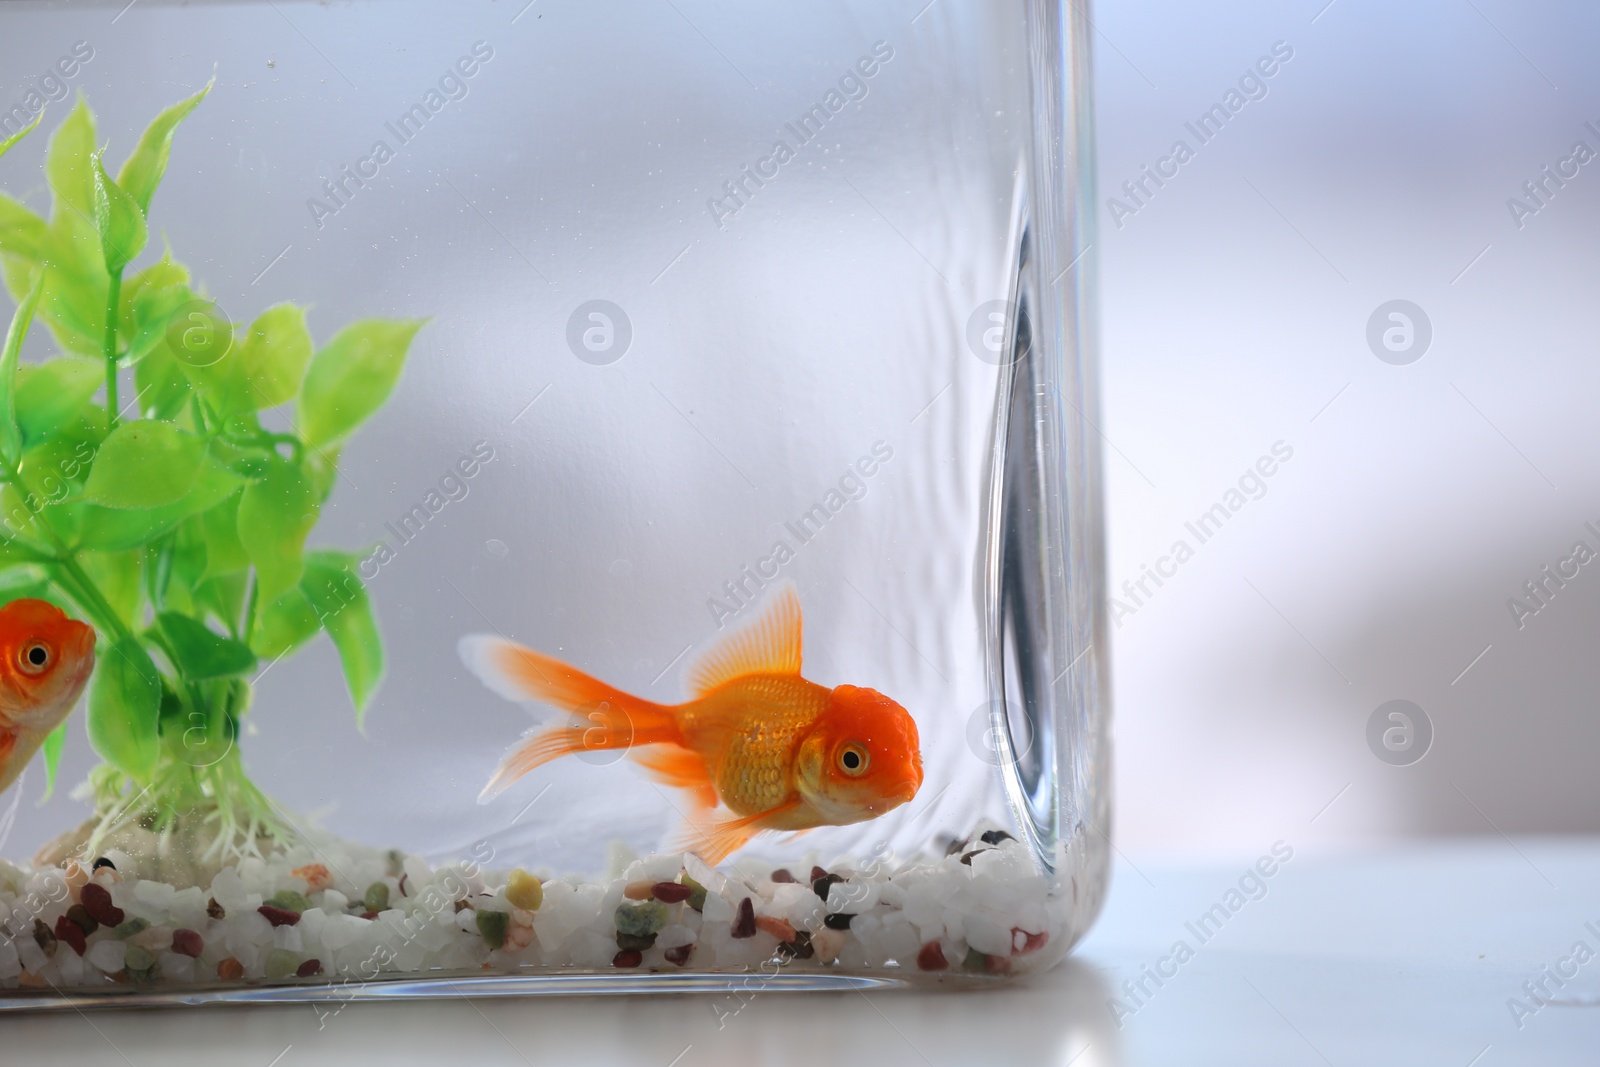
<point x="758" y="747"/>
<point x="45" y="661"/>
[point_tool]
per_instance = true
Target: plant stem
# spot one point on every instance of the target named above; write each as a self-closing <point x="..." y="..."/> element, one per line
<point x="249" y="623"/>
<point x="79" y="585"/>
<point x="113" y="298"/>
<point x="95" y="601"/>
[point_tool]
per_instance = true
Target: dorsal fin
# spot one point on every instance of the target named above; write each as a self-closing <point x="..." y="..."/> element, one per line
<point x="768" y="644"/>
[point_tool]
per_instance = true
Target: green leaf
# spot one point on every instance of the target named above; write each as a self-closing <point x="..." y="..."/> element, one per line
<point x="162" y="386"/>
<point x="116" y="575"/>
<point x="219" y="529"/>
<point x="55" y="467"/>
<point x="51" y="395"/>
<point x="164" y="274"/>
<point x="10" y="142"/>
<point x="143" y="170"/>
<point x="342" y="606"/>
<point x="276" y="515"/>
<point x="275" y="354"/>
<point x="322" y="468"/>
<point x="10" y="433"/>
<point x="22" y="232"/>
<point x="54" y="742"/>
<point x="68" y="164"/>
<point x="17" y="583"/>
<point x="119" y="220"/>
<point x="144" y="464"/>
<point x="202" y="653"/>
<point x="117" y="528"/>
<point x="265" y="366"/>
<point x="125" y="709"/>
<point x="284" y="624"/>
<point x="223" y="596"/>
<point x="352" y="376"/>
<point x="74" y="301"/>
<point x="149" y="300"/>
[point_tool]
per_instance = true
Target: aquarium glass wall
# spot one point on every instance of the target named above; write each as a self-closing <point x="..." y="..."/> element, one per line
<point x="548" y="495"/>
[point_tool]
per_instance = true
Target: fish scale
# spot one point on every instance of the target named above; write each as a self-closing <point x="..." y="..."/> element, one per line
<point x="749" y="728"/>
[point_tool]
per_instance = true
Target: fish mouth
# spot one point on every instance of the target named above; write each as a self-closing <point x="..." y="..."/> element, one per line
<point x="889" y="801"/>
<point x="82" y="649"/>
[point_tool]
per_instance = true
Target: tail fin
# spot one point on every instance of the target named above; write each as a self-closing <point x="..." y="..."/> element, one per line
<point x="603" y="717"/>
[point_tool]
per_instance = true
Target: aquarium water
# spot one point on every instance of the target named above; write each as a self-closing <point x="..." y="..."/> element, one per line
<point x="713" y="304"/>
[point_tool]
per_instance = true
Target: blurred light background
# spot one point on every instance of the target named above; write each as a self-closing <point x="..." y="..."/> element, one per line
<point x="1420" y="497"/>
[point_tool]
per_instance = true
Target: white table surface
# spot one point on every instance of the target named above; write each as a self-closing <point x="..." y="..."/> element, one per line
<point x="1407" y="956"/>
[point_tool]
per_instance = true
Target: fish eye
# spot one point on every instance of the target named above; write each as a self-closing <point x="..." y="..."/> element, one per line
<point x="34" y="657"/>
<point x="853" y="759"/>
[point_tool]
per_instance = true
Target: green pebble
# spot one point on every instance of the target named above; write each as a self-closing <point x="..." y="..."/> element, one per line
<point x="140" y="963"/>
<point x="975" y="961"/>
<point x="641" y="920"/>
<point x="128" y="928"/>
<point x="697" y="894"/>
<point x="281" y="963"/>
<point x="494" y="925"/>
<point x="377" y="898"/>
<point x="634" y="941"/>
<point x="289" y="900"/>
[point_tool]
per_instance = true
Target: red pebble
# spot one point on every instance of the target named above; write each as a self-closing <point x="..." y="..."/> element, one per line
<point x="931" y="958"/>
<point x="96" y="900"/>
<point x="230" y="970"/>
<point x="818" y="872"/>
<point x="679" y="955"/>
<point x="630" y="957"/>
<point x="782" y="875"/>
<point x="671" y="892"/>
<point x="279" y="916"/>
<point x="1023" y="942"/>
<point x="71" y="933"/>
<point x="188" y="943"/>
<point x="309" y="969"/>
<point x="744" y="924"/>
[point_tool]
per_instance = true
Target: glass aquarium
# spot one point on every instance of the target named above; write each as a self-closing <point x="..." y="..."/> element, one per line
<point x="524" y="496"/>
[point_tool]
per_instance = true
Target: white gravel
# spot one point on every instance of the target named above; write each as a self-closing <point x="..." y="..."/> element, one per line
<point x="992" y="914"/>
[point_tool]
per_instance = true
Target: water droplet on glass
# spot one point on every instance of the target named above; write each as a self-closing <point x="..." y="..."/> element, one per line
<point x="497" y="548"/>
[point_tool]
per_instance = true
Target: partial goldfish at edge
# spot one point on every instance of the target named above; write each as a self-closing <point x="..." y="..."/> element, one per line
<point x="45" y="661"/>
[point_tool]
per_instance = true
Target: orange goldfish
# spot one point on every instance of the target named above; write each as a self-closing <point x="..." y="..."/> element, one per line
<point x="45" y="660"/>
<point x="774" y="750"/>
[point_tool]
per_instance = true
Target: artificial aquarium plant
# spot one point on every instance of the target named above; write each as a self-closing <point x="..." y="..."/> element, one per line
<point x="172" y="519"/>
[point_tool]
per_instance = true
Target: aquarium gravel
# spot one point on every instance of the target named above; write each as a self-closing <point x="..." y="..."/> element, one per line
<point x="332" y="909"/>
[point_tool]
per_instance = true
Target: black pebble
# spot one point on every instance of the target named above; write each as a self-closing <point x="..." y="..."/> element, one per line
<point x="994" y="837"/>
<point x="799" y="948"/>
<point x="967" y="859"/>
<point x="821" y="885"/>
<point x="103" y="862"/>
<point x="839" y="920"/>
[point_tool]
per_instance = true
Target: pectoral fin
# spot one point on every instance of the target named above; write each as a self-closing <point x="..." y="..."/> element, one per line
<point x="681" y="769"/>
<point x="714" y="839"/>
